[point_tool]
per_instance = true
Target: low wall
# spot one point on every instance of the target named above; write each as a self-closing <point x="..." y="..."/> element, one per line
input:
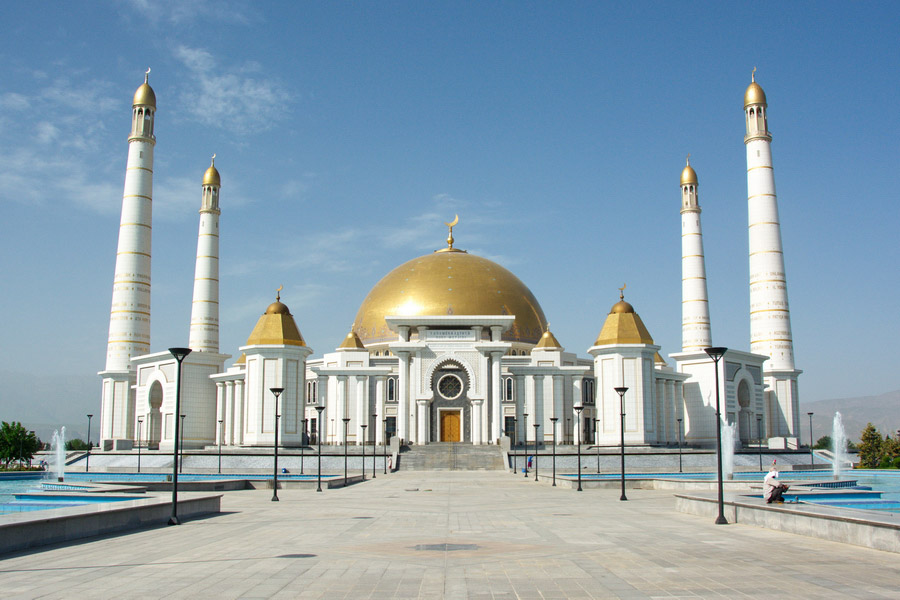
<point x="860" y="528"/>
<point x="29" y="530"/>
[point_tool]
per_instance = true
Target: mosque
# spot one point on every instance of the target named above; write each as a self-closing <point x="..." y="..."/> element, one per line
<point x="447" y="347"/>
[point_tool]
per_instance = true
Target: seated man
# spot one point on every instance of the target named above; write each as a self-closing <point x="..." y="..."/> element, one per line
<point x="772" y="488"/>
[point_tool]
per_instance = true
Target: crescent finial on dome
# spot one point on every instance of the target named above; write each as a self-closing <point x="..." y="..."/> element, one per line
<point x="278" y="293"/>
<point x="622" y="292"/>
<point x="147" y="76"/>
<point x="753" y="75"/>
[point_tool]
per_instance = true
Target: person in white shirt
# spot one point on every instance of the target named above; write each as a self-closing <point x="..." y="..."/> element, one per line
<point x="772" y="488"/>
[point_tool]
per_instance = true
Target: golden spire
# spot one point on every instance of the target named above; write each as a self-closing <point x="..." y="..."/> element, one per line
<point x="451" y="225"/>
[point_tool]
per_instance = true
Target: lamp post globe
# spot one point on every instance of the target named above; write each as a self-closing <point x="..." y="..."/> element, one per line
<point x="716" y="354"/>
<point x="179" y="354"/>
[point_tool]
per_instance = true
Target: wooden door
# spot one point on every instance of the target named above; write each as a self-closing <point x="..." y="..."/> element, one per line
<point x="450" y="426"/>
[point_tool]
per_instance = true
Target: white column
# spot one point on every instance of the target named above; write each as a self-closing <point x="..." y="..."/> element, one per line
<point x="379" y="408"/>
<point x="496" y="396"/>
<point x="558" y="396"/>
<point x="530" y="409"/>
<point x="421" y="419"/>
<point x="569" y="412"/>
<point x="340" y="409"/>
<point x="322" y="400"/>
<point x="362" y="403"/>
<point x="403" y="396"/>
<point x="521" y="407"/>
<point x="539" y="412"/>
<point x="476" y="420"/>
<point x="239" y="410"/>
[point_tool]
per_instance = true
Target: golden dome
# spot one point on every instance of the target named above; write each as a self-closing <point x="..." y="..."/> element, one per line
<point x="450" y="282"/>
<point x="144" y="95"/>
<point x="351" y="342"/>
<point x="211" y="177"/>
<point x="548" y="340"/>
<point x="623" y="326"/>
<point x="276" y="327"/>
<point x="688" y="175"/>
<point x="754" y="93"/>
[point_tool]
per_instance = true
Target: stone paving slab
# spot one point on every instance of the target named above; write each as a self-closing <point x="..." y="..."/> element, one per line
<point x="452" y="535"/>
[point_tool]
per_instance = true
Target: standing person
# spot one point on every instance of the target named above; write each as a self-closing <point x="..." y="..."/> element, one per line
<point x="772" y="488"/>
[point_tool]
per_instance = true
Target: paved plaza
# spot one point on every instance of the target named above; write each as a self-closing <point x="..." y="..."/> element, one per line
<point x="451" y="535"/>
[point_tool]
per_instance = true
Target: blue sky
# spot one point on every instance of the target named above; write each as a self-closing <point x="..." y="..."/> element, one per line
<point x="347" y="132"/>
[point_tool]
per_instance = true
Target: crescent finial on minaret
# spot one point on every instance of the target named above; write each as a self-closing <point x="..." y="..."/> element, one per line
<point x="278" y="293"/>
<point x="147" y="76"/>
<point x="212" y="161"/>
<point x="753" y="74"/>
<point x="622" y="292"/>
<point x="688" y="160"/>
<point x="451" y="225"/>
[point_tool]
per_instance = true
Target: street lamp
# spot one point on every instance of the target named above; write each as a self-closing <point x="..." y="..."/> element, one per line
<point x="568" y="423"/>
<point x="87" y="466"/>
<point x="179" y="354"/>
<point x="276" y="391"/>
<point x="384" y="442"/>
<point x="554" y="420"/>
<point x="363" y="427"/>
<point x="596" y="429"/>
<point x="346" y="423"/>
<point x="536" y="425"/>
<point x="513" y="444"/>
<point x="680" y="468"/>
<point x="140" y="422"/>
<point x="621" y="392"/>
<point x="181" y="459"/>
<point x="716" y="354"/>
<point x="811" y="458"/>
<point x="374" y="445"/>
<point x="319" y="410"/>
<point x="525" y="431"/>
<point x="220" y="444"/>
<point x="759" y="436"/>
<point x="304" y="438"/>
<point x="578" y="410"/>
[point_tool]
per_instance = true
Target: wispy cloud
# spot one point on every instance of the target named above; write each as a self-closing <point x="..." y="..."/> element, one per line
<point x="187" y="12"/>
<point x="235" y="98"/>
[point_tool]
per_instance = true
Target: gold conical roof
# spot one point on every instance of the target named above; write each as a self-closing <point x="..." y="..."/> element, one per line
<point x="276" y="327"/>
<point x="352" y="342"/>
<point x="548" y="340"/>
<point x="623" y="326"/>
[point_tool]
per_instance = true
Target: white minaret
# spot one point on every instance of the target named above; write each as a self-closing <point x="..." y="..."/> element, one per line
<point x="770" y="317"/>
<point x="695" y="330"/>
<point x="205" y="308"/>
<point x="129" y="316"/>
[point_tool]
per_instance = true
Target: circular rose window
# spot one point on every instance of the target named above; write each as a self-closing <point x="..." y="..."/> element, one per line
<point x="450" y="387"/>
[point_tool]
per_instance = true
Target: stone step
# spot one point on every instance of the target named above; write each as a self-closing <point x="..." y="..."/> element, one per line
<point x="451" y="457"/>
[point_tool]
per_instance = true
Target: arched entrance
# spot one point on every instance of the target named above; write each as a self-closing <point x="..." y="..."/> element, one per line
<point x="154" y="425"/>
<point x="745" y="416"/>
<point x="450" y="413"/>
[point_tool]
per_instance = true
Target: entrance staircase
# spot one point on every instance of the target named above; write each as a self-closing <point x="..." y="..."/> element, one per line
<point x="451" y="456"/>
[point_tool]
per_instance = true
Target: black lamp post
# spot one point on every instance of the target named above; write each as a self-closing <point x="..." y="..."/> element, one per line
<point x="512" y="444"/>
<point x="554" y="420"/>
<point x="680" y="468"/>
<point x="87" y="466"/>
<point x="221" y="435"/>
<point x="276" y="391"/>
<point x="384" y="442"/>
<point x="759" y="436"/>
<point x="179" y="354"/>
<point x="181" y="444"/>
<point x="525" y="431"/>
<point x="363" y="427"/>
<point x="568" y="422"/>
<point x="374" y="446"/>
<point x="346" y="423"/>
<point x="716" y="354"/>
<point x="621" y="392"/>
<point x="304" y="438"/>
<point x="811" y="459"/>
<point x="319" y="410"/>
<point x="578" y="410"/>
<point x="536" y="447"/>
<point x="597" y="441"/>
<point x="140" y="422"/>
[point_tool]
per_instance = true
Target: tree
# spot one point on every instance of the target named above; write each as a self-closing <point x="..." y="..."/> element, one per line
<point x="76" y="444"/>
<point x="870" y="448"/>
<point x="17" y="443"/>
<point x="823" y="443"/>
